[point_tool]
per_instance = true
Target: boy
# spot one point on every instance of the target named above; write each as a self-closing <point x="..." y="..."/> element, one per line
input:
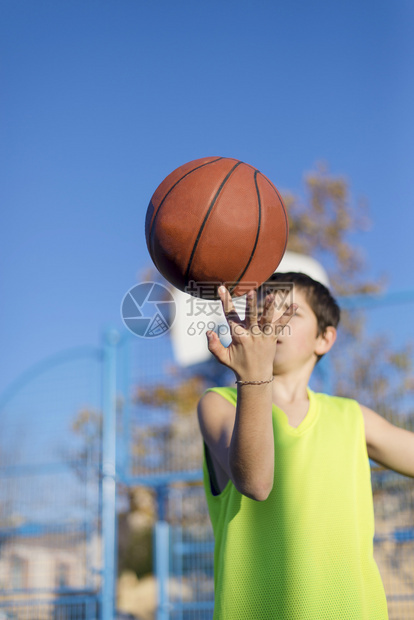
<point x="286" y="471"/>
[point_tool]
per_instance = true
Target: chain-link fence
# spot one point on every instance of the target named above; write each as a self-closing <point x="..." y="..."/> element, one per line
<point x="50" y="502"/>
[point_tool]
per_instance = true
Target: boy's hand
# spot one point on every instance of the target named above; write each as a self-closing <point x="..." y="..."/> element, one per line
<point x="252" y="349"/>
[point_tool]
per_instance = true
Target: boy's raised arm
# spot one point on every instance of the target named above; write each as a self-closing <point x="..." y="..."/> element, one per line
<point x="241" y="441"/>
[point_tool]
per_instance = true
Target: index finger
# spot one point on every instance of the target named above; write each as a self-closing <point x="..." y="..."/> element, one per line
<point x="228" y="305"/>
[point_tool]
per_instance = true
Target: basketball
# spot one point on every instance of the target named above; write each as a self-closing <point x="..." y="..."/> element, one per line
<point x="216" y="221"/>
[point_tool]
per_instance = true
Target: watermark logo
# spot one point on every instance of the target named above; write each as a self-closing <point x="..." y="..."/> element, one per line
<point x="148" y="310"/>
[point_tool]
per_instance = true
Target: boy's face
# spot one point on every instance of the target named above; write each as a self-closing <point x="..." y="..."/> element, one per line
<point x="297" y="343"/>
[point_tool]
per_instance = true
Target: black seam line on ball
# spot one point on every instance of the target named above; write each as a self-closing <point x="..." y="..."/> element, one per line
<point x="206" y="218"/>
<point x="283" y="208"/>
<point x="259" y="206"/>
<point x="171" y="189"/>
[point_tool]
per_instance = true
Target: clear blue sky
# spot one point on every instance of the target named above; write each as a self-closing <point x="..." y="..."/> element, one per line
<point x="101" y="99"/>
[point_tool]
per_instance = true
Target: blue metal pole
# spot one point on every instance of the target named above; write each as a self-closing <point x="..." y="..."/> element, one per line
<point x="125" y="460"/>
<point x="179" y="555"/>
<point x="109" y="523"/>
<point x="162" y="554"/>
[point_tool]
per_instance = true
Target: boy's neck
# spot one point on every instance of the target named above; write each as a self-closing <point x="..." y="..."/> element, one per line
<point x="290" y="387"/>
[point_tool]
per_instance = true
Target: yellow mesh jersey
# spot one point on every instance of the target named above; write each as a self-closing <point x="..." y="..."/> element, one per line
<point x="305" y="553"/>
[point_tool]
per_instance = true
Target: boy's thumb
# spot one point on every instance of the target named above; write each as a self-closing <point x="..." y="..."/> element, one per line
<point x="214" y="345"/>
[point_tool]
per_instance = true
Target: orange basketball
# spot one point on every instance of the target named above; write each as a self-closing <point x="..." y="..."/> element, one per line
<point x="216" y="221"/>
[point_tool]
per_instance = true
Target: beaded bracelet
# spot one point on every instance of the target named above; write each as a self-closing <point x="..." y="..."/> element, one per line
<point x="239" y="382"/>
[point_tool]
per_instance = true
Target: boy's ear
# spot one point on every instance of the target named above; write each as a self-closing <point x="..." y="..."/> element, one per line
<point x="325" y="341"/>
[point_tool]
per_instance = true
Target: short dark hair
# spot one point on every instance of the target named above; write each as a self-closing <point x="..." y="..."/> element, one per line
<point x="317" y="295"/>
